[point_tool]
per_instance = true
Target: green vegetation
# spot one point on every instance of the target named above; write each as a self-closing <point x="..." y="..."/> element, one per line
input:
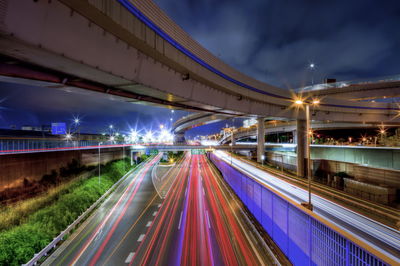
<point x="26" y="228"/>
<point x="173" y="157"/>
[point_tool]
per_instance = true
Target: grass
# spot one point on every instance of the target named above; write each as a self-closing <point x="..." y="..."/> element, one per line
<point x="28" y="227"/>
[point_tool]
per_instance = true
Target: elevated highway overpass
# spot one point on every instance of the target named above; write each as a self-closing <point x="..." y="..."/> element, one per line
<point x="291" y="126"/>
<point x="193" y="120"/>
<point x="358" y="90"/>
<point x="118" y="47"/>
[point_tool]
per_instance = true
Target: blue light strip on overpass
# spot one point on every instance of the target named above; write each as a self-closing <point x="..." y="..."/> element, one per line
<point x="137" y="13"/>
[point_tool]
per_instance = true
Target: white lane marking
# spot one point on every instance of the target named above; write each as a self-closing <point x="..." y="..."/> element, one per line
<point x="130" y="257"/>
<point x="149" y="223"/>
<point x="141" y="238"/>
<point x="208" y="220"/>
<point x="159" y="205"/>
<point x="180" y="221"/>
<point x="155" y="213"/>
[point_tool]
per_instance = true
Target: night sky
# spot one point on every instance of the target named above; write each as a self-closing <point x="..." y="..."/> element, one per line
<point x="273" y="41"/>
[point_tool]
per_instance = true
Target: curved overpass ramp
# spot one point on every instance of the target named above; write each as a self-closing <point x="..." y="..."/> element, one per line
<point x="134" y="50"/>
<point x="195" y="120"/>
<point x="291" y="126"/>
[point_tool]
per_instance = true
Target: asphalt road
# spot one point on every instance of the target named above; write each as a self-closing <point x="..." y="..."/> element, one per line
<point x="377" y="235"/>
<point x="115" y="225"/>
<point x="199" y="223"/>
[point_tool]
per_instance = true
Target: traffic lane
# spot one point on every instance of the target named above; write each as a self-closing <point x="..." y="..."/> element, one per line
<point x="94" y="229"/>
<point x="123" y="251"/>
<point x="198" y="246"/>
<point x="189" y="230"/>
<point x="158" y="237"/>
<point x="379" y="236"/>
<point x="236" y="239"/>
<point x="122" y="219"/>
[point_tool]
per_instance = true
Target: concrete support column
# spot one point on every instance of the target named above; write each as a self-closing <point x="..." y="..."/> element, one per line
<point x="233" y="141"/>
<point x="260" y="139"/>
<point x="301" y="138"/>
<point x="179" y="138"/>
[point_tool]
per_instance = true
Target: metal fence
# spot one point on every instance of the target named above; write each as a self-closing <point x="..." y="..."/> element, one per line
<point x="303" y="239"/>
<point x="27" y="145"/>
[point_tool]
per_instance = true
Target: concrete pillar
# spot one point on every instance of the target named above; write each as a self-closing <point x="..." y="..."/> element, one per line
<point x="294" y="134"/>
<point x="301" y="138"/>
<point x="260" y="139"/>
<point x="179" y="138"/>
<point x="233" y="141"/>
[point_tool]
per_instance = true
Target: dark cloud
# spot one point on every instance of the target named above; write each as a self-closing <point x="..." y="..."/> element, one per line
<point x="274" y="41"/>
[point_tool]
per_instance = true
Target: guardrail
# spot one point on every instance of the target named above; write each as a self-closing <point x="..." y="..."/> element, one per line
<point x="302" y="236"/>
<point x="56" y="240"/>
<point x="28" y="145"/>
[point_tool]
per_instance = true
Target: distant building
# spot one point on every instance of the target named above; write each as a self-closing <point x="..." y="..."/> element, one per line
<point x="43" y="128"/>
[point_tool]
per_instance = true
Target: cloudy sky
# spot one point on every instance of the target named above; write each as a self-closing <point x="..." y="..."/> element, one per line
<point x="271" y="40"/>
<point x="275" y="40"/>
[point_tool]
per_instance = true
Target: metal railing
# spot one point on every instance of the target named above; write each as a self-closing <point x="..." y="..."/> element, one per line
<point x="342" y="84"/>
<point x="29" y="145"/>
<point x="303" y="237"/>
<point x="52" y="245"/>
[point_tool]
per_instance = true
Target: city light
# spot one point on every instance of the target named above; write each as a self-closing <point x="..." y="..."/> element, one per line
<point x="112" y="138"/>
<point x="312" y="65"/>
<point x="68" y="136"/>
<point x="134" y="136"/>
<point x="298" y="102"/>
<point x="148" y="137"/>
<point x="165" y="136"/>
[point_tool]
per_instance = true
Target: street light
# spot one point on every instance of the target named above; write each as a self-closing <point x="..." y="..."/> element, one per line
<point x="230" y="144"/>
<point x="314" y="102"/>
<point x="312" y="67"/>
<point x="77" y="122"/>
<point x="99" y="162"/>
<point x="262" y="159"/>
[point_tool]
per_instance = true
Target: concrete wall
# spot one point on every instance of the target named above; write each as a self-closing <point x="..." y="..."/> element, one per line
<point x="323" y="167"/>
<point x="381" y="158"/>
<point x="32" y="166"/>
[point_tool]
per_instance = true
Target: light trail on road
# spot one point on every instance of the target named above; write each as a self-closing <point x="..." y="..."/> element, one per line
<point x="199" y="223"/>
<point x="377" y="235"/>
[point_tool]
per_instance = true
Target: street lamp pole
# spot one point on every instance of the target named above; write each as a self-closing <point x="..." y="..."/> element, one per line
<point x="314" y="102"/>
<point x="308" y="148"/>
<point x="99" y="161"/>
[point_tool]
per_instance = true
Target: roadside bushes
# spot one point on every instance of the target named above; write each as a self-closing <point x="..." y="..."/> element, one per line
<point x="30" y="230"/>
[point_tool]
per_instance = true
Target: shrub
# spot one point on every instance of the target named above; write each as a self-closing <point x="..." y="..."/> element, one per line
<point x="29" y="231"/>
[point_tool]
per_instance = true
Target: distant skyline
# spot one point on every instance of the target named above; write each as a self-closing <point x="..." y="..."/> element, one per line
<point x="30" y="105"/>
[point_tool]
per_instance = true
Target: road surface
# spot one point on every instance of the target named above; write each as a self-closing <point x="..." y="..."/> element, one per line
<point x="127" y="208"/>
<point x="199" y="223"/>
<point x="192" y="218"/>
<point x="377" y="235"/>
